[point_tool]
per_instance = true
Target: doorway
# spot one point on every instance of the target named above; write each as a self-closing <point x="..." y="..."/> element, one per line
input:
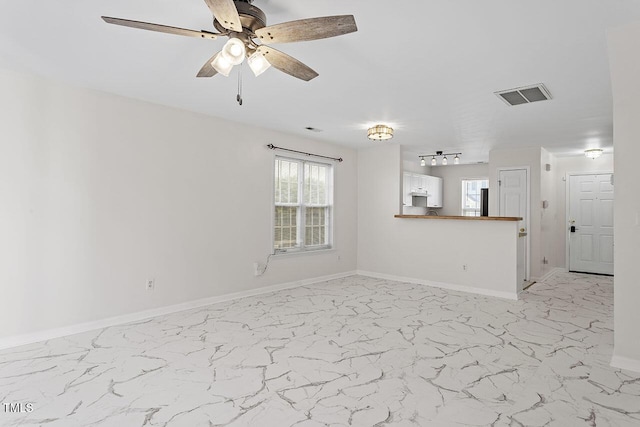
<point x="590" y="219"/>
<point x="513" y="200"/>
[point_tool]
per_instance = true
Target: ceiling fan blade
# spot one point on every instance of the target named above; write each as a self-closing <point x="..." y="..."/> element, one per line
<point x="207" y="69"/>
<point x="287" y="64"/>
<point x="160" y="28"/>
<point x="226" y="14"/>
<point x="308" y="29"/>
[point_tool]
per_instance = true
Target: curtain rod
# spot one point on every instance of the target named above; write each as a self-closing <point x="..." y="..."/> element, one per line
<point x="273" y="147"/>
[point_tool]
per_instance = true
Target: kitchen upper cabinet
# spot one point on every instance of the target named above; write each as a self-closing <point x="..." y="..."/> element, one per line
<point x="430" y="186"/>
<point x="434" y="191"/>
<point x="418" y="183"/>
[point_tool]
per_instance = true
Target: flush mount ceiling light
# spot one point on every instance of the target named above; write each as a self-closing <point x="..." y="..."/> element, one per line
<point x="445" y="161"/>
<point x="593" y="153"/>
<point x="380" y="133"/>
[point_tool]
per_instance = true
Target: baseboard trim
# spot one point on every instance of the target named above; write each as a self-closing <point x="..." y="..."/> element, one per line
<point x="625" y="363"/>
<point x="19" y="340"/>
<point x="550" y="273"/>
<point x="461" y="288"/>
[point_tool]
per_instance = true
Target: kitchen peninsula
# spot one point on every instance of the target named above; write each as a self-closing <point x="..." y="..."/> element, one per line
<point x="482" y="255"/>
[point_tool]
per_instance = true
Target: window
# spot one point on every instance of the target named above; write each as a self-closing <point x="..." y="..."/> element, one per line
<point x="471" y="196"/>
<point x="303" y="205"/>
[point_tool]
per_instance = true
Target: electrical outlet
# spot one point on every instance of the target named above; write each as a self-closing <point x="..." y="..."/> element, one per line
<point x="151" y="284"/>
<point x="258" y="269"/>
<point x="464" y="267"/>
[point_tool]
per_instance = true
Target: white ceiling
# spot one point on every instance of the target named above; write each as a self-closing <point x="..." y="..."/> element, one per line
<point x="428" y="68"/>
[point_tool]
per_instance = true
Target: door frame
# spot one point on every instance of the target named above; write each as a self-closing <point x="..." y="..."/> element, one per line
<point x="528" y="223"/>
<point x="567" y="204"/>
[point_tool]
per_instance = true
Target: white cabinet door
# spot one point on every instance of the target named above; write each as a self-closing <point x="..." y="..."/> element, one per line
<point x="434" y="189"/>
<point x="418" y="184"/>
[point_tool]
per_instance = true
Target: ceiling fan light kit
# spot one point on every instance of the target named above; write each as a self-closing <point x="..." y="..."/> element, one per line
<point x="249" y="37"/>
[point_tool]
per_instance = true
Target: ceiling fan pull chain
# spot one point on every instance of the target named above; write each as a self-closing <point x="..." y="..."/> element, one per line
<point x="239" y="97"/>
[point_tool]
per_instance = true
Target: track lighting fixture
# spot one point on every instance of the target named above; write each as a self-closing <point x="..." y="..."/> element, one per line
<point x="445" y="160"/>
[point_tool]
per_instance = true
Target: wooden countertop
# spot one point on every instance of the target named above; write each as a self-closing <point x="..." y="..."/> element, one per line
<point x="462" y="218"/>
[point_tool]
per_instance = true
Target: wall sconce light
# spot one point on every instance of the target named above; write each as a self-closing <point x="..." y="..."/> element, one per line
<point x="593" y="153"/>
<point x="445" y="161"/>
<point x="380" y="133"/>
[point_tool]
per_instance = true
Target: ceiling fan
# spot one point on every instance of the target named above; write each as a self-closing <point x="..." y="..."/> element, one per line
<point x="249" y="37"/>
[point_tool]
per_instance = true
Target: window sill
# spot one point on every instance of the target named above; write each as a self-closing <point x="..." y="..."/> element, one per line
<point x="304" y="253"/>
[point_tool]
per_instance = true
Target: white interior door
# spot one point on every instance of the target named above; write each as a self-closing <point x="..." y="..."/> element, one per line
<point x="514" y="201"/>
<point x="591" y="215"/>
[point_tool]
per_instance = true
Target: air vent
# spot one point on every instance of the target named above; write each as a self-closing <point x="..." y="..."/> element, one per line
<point x="524" y="95"/>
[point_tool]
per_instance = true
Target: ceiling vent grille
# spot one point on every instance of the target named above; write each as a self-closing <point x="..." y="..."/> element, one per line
<point x="524" y="95"/>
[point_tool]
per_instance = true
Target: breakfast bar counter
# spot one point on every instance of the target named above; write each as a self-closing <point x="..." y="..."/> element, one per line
<point x="462" y="218"/>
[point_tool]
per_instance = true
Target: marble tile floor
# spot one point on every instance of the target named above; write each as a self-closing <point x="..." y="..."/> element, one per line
<point x="356" y="351"/>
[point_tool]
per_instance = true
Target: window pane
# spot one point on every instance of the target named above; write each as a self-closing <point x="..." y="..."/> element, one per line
<point x="286" y="229"/>
<point x="315" y="185"/>
<point x="471" y="195"/>
<point x="315" y="227"/>
<point x="286" y="181"/>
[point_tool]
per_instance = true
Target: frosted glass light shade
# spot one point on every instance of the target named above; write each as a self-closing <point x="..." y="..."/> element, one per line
<point x="234" y="51"/>
<point x="258" y="63"/>
<point x="221" y="64"/>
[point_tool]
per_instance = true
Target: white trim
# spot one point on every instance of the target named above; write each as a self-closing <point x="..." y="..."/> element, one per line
<point x="625" y="363"/>
<point x="527" y="272"/>
<point x="19" y="340"/>
<point x="549" y="274"/>
<point x="567" y="204"/>
<point x="461" y="288"/>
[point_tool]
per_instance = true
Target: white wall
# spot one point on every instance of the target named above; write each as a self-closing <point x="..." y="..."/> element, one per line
<point x="414" y="167"/>
<point x="101" y="192"/>
<point x="427" y="250"/>
<point x="563" y="166"/>
<point x="624" y="55"/>
<point x="452" y="176"/>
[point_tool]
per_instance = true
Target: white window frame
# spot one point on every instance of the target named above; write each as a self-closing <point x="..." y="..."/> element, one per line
<point x="301" y="216"/>
<point x="463" y="194"/>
